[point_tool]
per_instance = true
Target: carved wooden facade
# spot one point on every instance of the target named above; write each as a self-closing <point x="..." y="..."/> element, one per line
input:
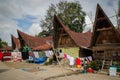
<point x="61" y="37"/>
<point x="105" y="41"/>
<point x="64" y="37"/>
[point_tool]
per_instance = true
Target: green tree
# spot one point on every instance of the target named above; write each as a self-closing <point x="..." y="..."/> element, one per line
<point x="2" y="43"/>
<point x="43" y="33"/>
<point x="70" y="13"/>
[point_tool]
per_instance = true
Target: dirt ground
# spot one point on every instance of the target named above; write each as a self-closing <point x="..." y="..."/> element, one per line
<point x="29" y="71"/>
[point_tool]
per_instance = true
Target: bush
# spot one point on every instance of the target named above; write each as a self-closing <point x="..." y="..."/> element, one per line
<point x="94" y="65"/>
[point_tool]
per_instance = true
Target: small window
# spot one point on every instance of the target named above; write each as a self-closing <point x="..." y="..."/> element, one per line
<point x="100" y="51"/>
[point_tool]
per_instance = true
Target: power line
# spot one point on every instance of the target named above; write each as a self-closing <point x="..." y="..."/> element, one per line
<point x="93" y="21"/>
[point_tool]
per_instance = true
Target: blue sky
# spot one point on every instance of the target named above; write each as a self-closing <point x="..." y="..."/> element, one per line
<point x="25" y="15"/>
<point x="26" y="21"/>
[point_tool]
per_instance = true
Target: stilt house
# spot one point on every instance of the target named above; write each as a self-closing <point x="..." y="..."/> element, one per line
<point x="105" y="41"/>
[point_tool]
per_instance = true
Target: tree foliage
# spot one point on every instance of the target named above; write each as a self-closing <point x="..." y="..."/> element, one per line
<point x="70" y="13"/>
<point x="2" y="43"/>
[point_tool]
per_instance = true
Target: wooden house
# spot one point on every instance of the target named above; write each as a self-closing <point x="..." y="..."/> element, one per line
<point x="64" y="37"/>
<point x="35" y="43"/>
<point x="15" y="43"/>
<point x="105" y="41"/>
<point x="6" y="49"/>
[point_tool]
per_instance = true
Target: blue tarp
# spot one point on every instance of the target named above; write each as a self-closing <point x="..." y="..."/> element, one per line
<point x="40" y="60"/>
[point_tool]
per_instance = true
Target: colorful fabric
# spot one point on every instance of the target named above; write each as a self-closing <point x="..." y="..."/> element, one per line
<point x="90" y="58"/>
<point x="1" y="55"/>
<point x="6" y="56"/>
<point x="65" y="56"/>
<point x="71" y="59"/>
<point x="78" y="66"/>
<point x="31" y="54"/>
<point x="49" y="53"/>
<point x="36" y="54"/>
<point x="16" y="56"/>
<point x="78" y="61"/>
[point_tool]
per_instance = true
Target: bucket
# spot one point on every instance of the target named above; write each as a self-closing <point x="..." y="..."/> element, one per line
<point x="112" y="70"/>
<point x="84" y="71"/>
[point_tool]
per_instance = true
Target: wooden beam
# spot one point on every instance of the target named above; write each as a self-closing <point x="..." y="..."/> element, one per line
<point x="106" y="48"/>
<point x="104" y="29"/>
<point x="101" y="18"/>
<point x="64" y="34"/>
<point x="109" y="44"/>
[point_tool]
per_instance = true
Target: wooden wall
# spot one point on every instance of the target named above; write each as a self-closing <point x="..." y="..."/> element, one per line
<point x="110" y="54"/>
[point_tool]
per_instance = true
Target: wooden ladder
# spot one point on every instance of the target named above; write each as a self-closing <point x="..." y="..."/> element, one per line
<point x="106" y="64"/>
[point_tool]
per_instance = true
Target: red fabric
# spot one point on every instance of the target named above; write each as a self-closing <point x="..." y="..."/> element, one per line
<point x="6" y="56"/>
<point x="90" y="70"/>
<point x="1" y="55"/>
<point x="78" y="61"/>
<point x="65" y="56"/>
<point x="31" y="54"/>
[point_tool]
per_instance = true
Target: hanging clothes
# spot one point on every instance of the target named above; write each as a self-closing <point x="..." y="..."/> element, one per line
<point x="48" y="53"/>
<point x="1" y="55"/>
<point x="16" y="56"/>
<point x="36" y="54"/>
<point x="71" y="59"/>
<point x="78" y="62"/>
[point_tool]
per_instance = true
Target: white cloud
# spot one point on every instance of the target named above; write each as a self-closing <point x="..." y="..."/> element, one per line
<point x="15" y="9"/>
<point x="6" y="29"/>
<point x="34" y="29"/>
<point x="88" y="24"/>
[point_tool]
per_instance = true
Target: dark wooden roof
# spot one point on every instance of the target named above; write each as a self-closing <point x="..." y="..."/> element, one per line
<point x="104" y="32"/>
<point x="63" y="36"/>
<point x="118" y="29"/>
<point x="32" y="41"/>
<point x="15" y="42"/>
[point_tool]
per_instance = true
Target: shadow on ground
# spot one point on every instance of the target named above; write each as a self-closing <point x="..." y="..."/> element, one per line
<point x="3" y="70"/>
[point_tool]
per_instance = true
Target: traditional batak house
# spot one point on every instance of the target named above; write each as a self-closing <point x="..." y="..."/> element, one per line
<point x="6" y="49"/>
<point x="105" y="41"/>
<point x="15" y="43"/>
<point x="26" y="43"/>
<point x="33" y="42"/>
<point x="64" y="37"/>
